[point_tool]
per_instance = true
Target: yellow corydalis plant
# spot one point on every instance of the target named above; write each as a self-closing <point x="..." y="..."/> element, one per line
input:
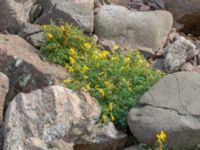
<point x="87" y="45"/>
<point x="115" y="79"/>
<point x="161" y="137"/>
<point x="49" y="35"/>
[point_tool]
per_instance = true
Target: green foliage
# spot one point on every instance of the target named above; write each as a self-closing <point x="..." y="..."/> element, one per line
<point x="116" y="80"/>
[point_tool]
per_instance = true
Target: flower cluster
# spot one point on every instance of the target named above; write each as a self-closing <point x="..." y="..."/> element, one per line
<point x="116" y="80"/>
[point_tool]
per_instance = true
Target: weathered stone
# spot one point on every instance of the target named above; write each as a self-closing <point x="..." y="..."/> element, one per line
<point x="158" y="64"/>
<point x="25" y="68"/>
<point x="99" y="3"/>
<point x="144" y="8"/>
<point x="35" y="12"/>
<point x="14" y="13"/>
<point x="29" y="29"/>
<point x="147" y="52"/>
<point x="43" y="116"/>
<point x="107" y="44"/>
<point x="187" y="13"/>
<point x="155" y="4"/>
<point x="77" y="12"/>
<point x="133" y="29"/>
<point x="190" y="67"/>
<point x="4" y="86"/>
<point x="197" y="43"/>
<point x="178" y="52"/>
<point x="171" y="105"/>
<point x="35" y="39"/>
<point x="60" y="145"/>
<point x="102" y="137"/>
<point x="135" y="147"/>
<point x="32" y="33"/>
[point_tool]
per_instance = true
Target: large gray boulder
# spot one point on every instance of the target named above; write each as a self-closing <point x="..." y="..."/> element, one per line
<point x="171" y="105"/>
<point x="77" y="12"/>
<point x="41" y="117"/>
<point x="14" y="13"/>
<point x="133" y="29"/>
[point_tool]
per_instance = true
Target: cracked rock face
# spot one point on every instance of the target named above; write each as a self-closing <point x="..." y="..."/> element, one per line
<point x="171" y="105"/>
<point x="43" y="116"/>
<point x="77" y="12"/>
<point x="32" y="33"/>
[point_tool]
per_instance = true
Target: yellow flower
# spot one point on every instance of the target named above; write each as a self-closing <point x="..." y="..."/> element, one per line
<point x="115" y="47"/>
<point x="110" y="106"/>
<point x="44" y="27"/>
<point x="85" y="69"/>
<point x="95" y="55"/>
<point x="114" y="58"/>
<point x="85" y="77"/>
<point x="62" y="28"/>
<point x="71" y="60"/>
<point x="97" y="65"/>
<point x="88" y="88"/>
<point x="123" y="68"/>
<point x="158" y="71"/>
<point x="69" y="68"/>
<point x="127" y="59"/>
<point x="71" y="51"/>
<point x="147" y="65"/>
<point x="104" y="118"/>
<point x="66" y="81"/>
<point x="49" y="35"/>
<point x="107" y="83"/>
<point x="161" y="136"/>
<point x="101" y="73"/>
<point x="103" y="54"/>
<point x="66" y="66"/>
<point x="112" y="118"/>
<point x="87" y="45"/>
<point x="101" y="91"/>
<point x="140" y="61"/>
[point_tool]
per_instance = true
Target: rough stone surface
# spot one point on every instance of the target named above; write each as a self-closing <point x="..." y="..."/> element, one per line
<point x="189" y="67"/>
<point x="187" y="13"/>
<point x="60" y="145"/>
<point x="178" y="52"/>
<point x="35" y="12"/>
<point x="42" y="116"/>
<point x="135" y="147"/>
<point x="171" y="105"/>
<point x="133" y="29"/>
<point x="25" y="66"/>
<point x="107" y="44"/>
<point x="102" y="137"/>
<point x="99" y="3"/>
<point x="4" y="87"/>
<point x="77" y="12"/>
<point x="14" y="13"/>
<point x="32" y="33"/>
